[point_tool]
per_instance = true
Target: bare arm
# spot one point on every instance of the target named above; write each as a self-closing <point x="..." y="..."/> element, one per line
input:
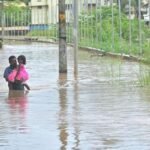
<point x="18" y="71"/>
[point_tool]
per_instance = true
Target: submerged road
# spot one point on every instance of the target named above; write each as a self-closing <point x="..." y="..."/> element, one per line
<point x="105" y="107"/>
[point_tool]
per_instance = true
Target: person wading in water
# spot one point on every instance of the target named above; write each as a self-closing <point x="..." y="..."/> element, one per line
<point x="20" y="73"/>
<point x="16" y="84"/>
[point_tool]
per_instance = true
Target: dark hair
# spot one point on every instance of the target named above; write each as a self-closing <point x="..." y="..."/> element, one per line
<point x="23" y="58"/>
<point x="10" y="58"/>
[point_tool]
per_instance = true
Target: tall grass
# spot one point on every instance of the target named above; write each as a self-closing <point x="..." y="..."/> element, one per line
<point x="102" y="32"/>
<point x="144" y="79"/>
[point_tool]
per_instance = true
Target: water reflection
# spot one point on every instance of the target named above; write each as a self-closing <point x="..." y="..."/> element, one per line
<point x="67" y="113"/>
<point x="63" y="125"/>
<point x="17" y="98"/>
<point x="75" y="120"/>
<point x="17" y="101"/>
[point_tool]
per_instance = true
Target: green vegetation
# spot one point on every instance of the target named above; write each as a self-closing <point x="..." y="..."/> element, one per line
<point x="17" y="15"/>
<point x="51" y="33"/>
<point x="105" y="35"/>
<point x="144" y="79"/>
<point x="19" y="1"/>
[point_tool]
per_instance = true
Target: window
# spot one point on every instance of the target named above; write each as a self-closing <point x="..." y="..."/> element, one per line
<point x="39" y="7"/>
<point x="68" y="6"/>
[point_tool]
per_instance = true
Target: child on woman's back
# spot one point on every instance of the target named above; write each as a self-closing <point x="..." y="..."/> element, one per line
<point x="20" y="74"/>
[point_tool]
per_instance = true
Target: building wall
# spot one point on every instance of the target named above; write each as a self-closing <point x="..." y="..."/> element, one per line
<point x="38" y="2"/>
<point x="39" y="15"/>
<point x="52" y="11"/>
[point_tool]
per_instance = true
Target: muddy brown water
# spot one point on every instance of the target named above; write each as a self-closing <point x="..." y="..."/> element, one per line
<point x="103" y="107"/>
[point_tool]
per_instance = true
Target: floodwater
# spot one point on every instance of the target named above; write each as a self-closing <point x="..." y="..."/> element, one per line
<point x="104" y="107"/>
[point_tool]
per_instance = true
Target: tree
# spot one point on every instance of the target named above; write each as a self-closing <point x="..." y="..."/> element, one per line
<point x="25" y="1"/>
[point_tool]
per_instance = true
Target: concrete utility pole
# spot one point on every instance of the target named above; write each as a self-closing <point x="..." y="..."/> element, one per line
<point x="62" y="38"/>
<point x="75" y="36"/>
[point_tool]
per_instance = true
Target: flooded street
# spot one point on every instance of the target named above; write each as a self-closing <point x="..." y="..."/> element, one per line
<point x="103" y="108"/>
